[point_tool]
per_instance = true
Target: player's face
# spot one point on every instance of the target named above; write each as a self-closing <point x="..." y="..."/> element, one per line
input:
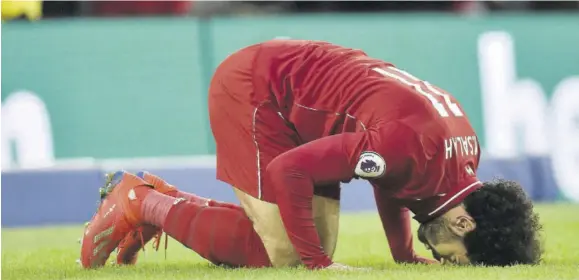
<point x="444" y="236"/>
<point x="452" y="252"/>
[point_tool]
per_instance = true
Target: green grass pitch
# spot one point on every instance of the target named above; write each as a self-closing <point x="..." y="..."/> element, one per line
<point x="50" y="253"/>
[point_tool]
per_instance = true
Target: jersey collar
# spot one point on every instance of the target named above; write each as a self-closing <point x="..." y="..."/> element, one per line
<point x="450" y="200"/>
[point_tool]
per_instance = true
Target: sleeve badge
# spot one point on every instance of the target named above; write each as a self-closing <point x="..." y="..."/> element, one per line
<point x="370" y="166"/>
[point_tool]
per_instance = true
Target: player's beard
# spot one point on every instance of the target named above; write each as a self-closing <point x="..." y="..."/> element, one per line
<point x="422" y="232"/>
<point x="434" y="231"/>
<point x="429" y="232"/>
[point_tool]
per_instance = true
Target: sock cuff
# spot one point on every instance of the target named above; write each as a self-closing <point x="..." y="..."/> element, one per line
<point x="155" y="208"/>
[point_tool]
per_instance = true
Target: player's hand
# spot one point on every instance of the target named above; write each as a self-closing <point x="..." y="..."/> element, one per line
<point x="419" y="259"/>
<point x="343" y="267"/>
<point x="416" y="259"/>
<point x="338" y="266"/>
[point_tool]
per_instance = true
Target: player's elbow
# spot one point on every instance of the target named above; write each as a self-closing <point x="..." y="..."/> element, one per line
<point x="285" y="167"/>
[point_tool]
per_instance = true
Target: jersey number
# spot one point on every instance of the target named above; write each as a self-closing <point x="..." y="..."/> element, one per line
<point x="425" y="89"/>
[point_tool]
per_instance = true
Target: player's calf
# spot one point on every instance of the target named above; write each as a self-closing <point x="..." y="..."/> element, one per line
<point x="164" y="187"/>
<point x="221" y="235"/>
<point x="136" y="239"/>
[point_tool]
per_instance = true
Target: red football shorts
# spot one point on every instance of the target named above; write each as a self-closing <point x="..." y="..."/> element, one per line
<point x="249" y="131"/>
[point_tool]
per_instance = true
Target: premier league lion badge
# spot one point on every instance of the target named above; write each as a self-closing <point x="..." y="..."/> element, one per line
<point x="370" y="166"/>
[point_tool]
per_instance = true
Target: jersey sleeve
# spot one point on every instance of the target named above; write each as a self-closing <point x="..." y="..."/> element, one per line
<point x="368" y="154"/>
<point x="293" y="175"/>
<point x="396" y="223"/>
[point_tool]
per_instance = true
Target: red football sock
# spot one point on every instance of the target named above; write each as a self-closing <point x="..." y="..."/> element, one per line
<point x="156" y="207"/>
<point x="219" y="234"/>
<point x="189" y="196"/>
<point x="174" y="192"/>
<point x="206" y="201"/>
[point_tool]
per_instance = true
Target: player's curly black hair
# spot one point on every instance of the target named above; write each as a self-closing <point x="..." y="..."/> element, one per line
<point x="507" y="230"/>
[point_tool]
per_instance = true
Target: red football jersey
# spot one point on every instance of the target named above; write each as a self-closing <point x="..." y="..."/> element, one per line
<point x="364" y="118"/>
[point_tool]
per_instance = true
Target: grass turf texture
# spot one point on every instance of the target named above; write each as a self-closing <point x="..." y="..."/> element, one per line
<point x="50" y="253"/>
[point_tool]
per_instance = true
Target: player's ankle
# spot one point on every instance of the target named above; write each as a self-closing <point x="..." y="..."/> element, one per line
<point x="155" y="206"/>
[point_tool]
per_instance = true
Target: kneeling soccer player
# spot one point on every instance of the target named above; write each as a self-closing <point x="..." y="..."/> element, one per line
<point x="291" y="120"/>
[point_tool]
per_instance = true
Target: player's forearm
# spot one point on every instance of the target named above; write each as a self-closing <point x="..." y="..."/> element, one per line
<point x="294" y="195"/>
<point x="400" y="240"/>
<point x="396" y="223"/>
<point x="294" y="174"/>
